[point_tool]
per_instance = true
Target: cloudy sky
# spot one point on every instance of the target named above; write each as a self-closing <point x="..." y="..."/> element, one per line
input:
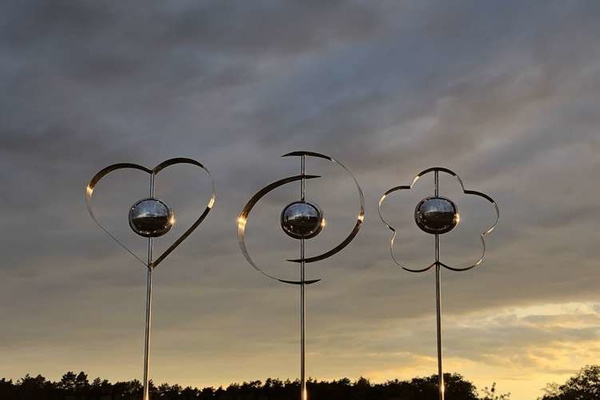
<point x="503" y="92"/>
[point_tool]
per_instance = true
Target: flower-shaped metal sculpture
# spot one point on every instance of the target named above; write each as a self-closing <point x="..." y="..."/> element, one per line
<point x="150" y="218"/>
<point x="437" y="215"/>
<point x="301" y="220"/>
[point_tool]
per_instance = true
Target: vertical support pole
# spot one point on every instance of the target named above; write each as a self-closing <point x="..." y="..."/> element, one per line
<point x="303" y="180"/>
<point x="148" y="308"/>
<point x="438" y="298"/>
<point x="438" y="301"/>
<point x="148" y="323"/>
<point x="303" y="391"/>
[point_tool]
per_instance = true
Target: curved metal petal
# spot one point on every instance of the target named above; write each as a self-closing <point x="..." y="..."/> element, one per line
<point x="465" y="191"/>
<point x="390" y="227"/>
<point x="179" y="160"/>
<point x="361" y="213"/>
<point x="482" y="234"/>
<point x="243" y="218"/>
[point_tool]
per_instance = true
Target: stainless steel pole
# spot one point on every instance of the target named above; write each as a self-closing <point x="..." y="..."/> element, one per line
<point x="438" y="301"/>
<point x="148" y="308"/>
<point x="303" y="391"/>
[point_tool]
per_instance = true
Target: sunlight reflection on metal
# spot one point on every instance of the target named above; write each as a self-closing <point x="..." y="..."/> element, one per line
<point x="438" y="215"/>
<point x="300" y="220"/>
<point x="150" y="218"/>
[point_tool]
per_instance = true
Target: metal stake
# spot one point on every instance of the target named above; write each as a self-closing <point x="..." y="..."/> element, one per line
<point x="152" y="230"/>
<point x="293" y="226"/>
<point x="146" y="395"/>
<point x="438" y="299"/>
<point x="437" y="215"/>
<point x="303" y="392"/>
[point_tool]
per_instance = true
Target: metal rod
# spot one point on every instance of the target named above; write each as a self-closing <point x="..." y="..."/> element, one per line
<point x="438" y="303"/>
<point x="148" y="324"/>
<point x="438" y="300"/>
<point x="303" y="391"/>
<point x="146" y="386"/>
<point x="303" y="181"/>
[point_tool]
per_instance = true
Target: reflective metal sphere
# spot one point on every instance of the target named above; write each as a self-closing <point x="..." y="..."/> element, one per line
<point x="151" y="218"/>
<point x="436" y="215"/>
<point x="302" y="220"/>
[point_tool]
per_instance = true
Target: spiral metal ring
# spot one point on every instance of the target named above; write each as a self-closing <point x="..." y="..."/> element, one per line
<point x="243" y="217"/>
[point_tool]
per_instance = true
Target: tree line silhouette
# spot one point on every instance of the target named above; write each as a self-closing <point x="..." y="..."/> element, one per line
<point x="78" y="387"/>
<point x="584" y="385"/>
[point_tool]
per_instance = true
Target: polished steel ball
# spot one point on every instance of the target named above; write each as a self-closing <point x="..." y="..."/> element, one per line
<point x="302" y="220"/>
<point x="151" y="218"/>
<point x="436" y="215"/>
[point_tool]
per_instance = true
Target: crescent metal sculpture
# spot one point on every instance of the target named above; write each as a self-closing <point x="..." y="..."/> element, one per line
<point x="301" y="220"/>
<point x="438" y="215"/>
<point x="149" y="218"/>
<point x="243" y="216"/>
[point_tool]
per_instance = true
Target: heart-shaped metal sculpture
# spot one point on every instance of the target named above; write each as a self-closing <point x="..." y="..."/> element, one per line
<point x="149" y="218"/>
<point x="153" y="173"/>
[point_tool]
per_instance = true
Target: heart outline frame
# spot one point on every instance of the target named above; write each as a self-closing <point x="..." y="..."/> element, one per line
<point x="89" y="192"/>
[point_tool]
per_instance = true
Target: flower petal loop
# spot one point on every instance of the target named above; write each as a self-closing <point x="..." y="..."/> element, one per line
<point x="482" y="235"/>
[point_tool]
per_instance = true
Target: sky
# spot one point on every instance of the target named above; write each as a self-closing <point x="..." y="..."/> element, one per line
<point x="505" y="93"/>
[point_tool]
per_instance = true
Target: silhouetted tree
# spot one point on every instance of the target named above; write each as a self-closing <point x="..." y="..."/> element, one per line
<point x="8" y="390"/>
<point x="207" y="393"/>
<point x="38" y="388"/>
<point x="583" y="386"/>
<point x="67" y="382"/>
<point x="190" y="393"/>
<point x="490" y="394"/>
<point x="165" y="391"/>
<point x="82" y="386"/>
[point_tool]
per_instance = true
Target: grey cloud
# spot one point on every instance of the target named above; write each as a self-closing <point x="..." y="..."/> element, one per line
<point x="506" y="95"/>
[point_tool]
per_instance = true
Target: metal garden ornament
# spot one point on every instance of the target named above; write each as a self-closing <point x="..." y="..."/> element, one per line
<point x="438" y="215"/>
<point x="150" y="218"/>
<point x="301" y="220"/>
